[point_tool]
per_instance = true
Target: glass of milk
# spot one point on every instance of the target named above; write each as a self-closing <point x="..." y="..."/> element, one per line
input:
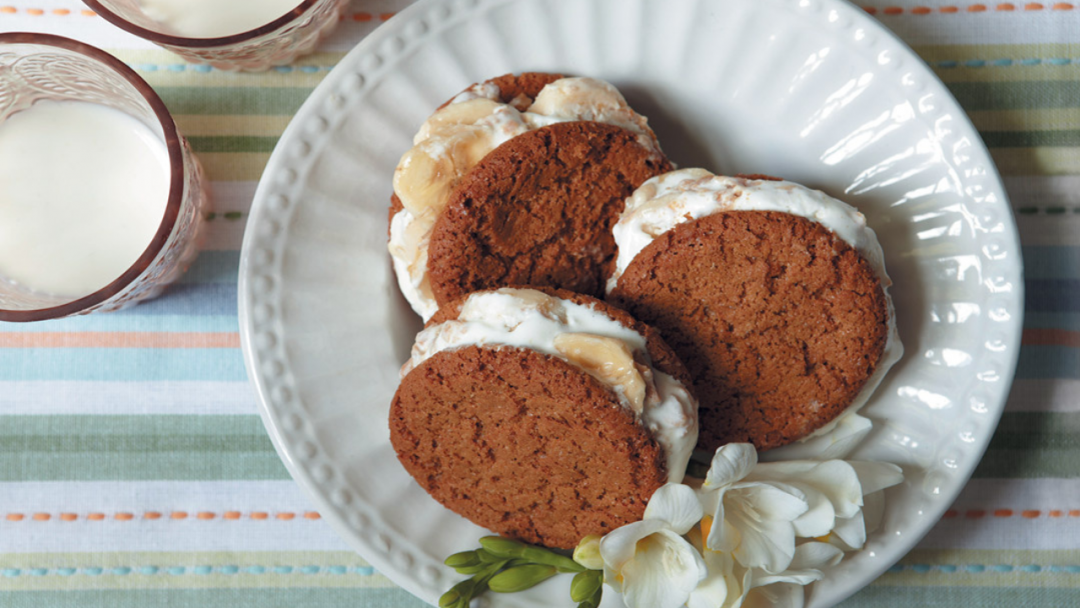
<point x="101" y="200"/>
<point x="227" y="34"/>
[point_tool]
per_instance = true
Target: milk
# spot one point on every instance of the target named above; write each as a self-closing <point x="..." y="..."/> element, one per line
<point x="83" y="189"/>
<point x="214" y="18"/>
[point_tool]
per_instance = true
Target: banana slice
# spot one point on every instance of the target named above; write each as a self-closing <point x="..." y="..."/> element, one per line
<point x="607" y="358"/>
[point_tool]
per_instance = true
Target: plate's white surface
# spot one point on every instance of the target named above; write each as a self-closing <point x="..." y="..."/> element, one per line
<point x="811" y="90"/>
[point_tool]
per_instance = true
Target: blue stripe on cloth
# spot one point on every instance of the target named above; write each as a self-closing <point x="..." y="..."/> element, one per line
<point x="189" y="299"/>
<point x="1051" y="262"/>
<point x="1069" y="321"/>
<point x="214" y="267"/>
<point x="122" y="364"/>
<point x="1044" y="362"/>
<point x="1045" y="295"/>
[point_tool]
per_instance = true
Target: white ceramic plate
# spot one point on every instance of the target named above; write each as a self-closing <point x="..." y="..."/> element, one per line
<point x="811" y="90"/>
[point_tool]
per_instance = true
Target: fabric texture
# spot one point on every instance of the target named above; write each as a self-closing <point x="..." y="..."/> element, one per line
<point x="135" y="471"/>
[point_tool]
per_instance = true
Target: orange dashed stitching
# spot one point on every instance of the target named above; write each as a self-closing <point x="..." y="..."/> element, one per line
<point x="177" y="515"/>
<point x="1004" y="7"/>
<point x="38" y="12"/>
<point x="386" y="16"/>
<point x="363" y="17"/>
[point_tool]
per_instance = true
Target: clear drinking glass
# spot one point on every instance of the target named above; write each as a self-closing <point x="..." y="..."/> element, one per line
<point x="35" y="67"/>
<point x="276" y="43"/>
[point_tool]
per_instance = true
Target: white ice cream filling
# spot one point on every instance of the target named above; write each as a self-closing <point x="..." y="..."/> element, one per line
<point x="529" y="319"/>
<point x="665" y="201"/>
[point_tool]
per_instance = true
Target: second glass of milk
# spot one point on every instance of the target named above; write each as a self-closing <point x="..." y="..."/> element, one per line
<point x="101" y="200"/>
<point x="227" y="34"/>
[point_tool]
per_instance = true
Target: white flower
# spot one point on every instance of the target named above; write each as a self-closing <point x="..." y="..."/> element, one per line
<point x="649" y="561"/>
<point x="724" y="586"/>
<point x="838" y="442"/>
<point x="752" y="520"/>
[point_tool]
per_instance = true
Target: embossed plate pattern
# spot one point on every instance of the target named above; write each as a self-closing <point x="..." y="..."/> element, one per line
<point x="811" y="90"/>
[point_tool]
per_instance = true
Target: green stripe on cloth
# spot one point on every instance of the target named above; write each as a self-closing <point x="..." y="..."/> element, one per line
<point x="1037" y="161"/>
<point x="965" y="52"/>
<point x="1033" y="445"/>
<point x="228" y="100"/>
<point x="191" y="447"/>
<point x="234" y="166"/>
<point x="1016" y="95"/>
<point x="1026" y="120"/>
<point x="128" y="448"/>
<point x="296" y="597"/>
<point x="185" y="570"/>
<point x="232" y="143"/>
<point x="1031" y="139"/>
<point x="882" y="595"/>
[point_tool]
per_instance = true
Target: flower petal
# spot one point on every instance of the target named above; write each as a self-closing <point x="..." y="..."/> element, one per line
<point x="849" y="432"/>
<point x="873" y="511"/>
<point x="815" y="555"/>
<point x="780" y="595"/>
<point x="762" y="514"/>
<point x="731" y="463"/>
<point x="676" y="504"/>
<point x="875" y="476"/>
<point x="836" y="479"/>
<point x="850" y="531"/>
<point x="663" y="573"/>
<point x="618" y="546"/>
<point x="723" y="586"/>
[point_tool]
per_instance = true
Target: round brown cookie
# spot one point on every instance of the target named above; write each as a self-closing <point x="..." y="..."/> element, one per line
<point x="511" y="86"/>
<point x="538" y="210"/>
<point x="526" y="444"/>
<point x="780" y="322"/>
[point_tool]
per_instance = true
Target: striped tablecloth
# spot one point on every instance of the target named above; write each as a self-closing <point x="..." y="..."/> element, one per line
<point x="134" y="469"/>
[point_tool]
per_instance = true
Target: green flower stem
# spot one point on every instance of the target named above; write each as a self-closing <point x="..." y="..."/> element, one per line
<point x="512" y="549"/>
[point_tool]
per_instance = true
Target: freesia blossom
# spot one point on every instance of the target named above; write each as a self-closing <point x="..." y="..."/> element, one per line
<point x="649" y="561"/>
<point x="751" y="535"/>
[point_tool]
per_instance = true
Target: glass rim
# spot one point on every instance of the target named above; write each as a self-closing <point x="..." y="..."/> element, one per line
<point x="176" y="178"/>
<point x="195" y="43"/>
